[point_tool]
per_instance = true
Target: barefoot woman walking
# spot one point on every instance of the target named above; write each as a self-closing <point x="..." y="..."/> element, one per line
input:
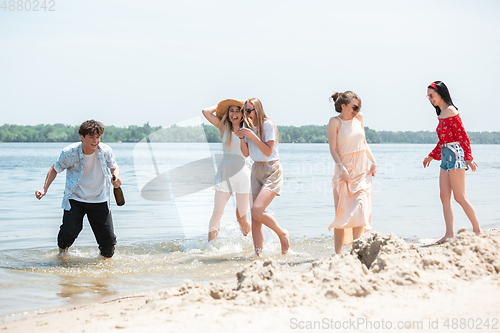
<point x="453" y="149"/>
<point x="260" y="141"/>
<point x="227" y="116"/>
<point x="352" y="183"/>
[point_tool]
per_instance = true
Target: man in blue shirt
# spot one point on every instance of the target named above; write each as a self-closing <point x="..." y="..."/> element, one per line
<point x="91" y="171"/>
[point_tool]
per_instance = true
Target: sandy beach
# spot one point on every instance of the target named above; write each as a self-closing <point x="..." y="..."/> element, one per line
<point x="383" y="283"/>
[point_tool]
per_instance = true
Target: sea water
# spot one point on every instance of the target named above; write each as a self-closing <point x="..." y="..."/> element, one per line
<point x="162" y="243"/>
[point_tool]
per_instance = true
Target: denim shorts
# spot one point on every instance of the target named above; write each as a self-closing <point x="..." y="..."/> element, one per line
<point x="453" y="158"/>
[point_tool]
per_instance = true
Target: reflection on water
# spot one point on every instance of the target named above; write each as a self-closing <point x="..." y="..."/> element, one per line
<point x="77" y="288"/>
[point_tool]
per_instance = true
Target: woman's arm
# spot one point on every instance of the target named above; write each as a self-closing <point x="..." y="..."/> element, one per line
<point x="211" y="117"/>
<point x="333" y="129"/>
<point x="265" y="147"/>
<point x="459" y="133"/>
<point x="243" y="144"/>
<point x="369" y="154"/>
<point x="244" y="148"/>
<point x="435" y="154"/>
<point x="461" y="136"/>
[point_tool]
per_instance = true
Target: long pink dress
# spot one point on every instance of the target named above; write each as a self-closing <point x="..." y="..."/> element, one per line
<point x="355" y="196"/>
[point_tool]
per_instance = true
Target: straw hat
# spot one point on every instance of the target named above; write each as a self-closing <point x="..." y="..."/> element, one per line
<point x="224" y="105"/>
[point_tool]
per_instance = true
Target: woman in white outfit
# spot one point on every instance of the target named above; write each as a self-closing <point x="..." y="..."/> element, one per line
<point x="234" y="169"/>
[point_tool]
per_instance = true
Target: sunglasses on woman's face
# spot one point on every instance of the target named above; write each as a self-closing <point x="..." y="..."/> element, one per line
<point x="248" y="111"/>
<point x="430" y="96"/>
<point x="355" y="107"/>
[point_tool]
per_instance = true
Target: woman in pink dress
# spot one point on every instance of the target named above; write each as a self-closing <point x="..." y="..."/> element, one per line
<point x="352" y="182"/>
<point x="453" y="149"/>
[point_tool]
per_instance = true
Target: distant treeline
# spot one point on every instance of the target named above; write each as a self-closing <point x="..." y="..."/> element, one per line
<point x="287" y="134"/>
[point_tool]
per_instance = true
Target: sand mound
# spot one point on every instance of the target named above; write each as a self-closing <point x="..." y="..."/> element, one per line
<point x="376" y="263"/>
<point x="467" y="255"/>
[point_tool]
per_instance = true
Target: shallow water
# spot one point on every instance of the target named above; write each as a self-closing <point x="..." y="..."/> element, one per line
<point x="160" y="244"/>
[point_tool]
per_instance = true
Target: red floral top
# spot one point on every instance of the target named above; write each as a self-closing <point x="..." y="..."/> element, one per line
<point x="451" y="129"/>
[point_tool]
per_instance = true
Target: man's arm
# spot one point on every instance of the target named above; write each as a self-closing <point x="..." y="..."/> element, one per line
<point x="51" y="175"/>
<point x="116" y="173"/>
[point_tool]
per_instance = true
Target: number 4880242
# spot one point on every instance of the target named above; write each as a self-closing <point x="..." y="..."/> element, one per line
<point x="28" y="5"/>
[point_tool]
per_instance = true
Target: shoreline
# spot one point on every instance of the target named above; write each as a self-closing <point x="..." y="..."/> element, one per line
<point x="382" y="278"/>
<point x="44" y="311"/>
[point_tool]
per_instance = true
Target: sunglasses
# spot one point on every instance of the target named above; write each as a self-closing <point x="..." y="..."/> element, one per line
<point x="248" y="111"/>
<point x="355" y="107"/>
<point x="429" y="96"/>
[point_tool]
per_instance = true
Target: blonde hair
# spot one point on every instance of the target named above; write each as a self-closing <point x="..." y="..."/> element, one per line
<point x="260" y="116"/>
<point x="226" y="126"/>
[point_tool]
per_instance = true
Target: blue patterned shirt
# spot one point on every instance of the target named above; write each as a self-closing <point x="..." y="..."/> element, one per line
<point x="71" y="160"/>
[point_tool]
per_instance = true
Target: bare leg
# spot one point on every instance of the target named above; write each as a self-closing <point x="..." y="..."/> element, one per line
<point x="338" y="234"/>
<point x="335" y="200"/>
<point x="357" y="232"/>
<point x="260" y="217"/>
<point x="258" y="237"/>
<point x="220" y="200"/>
<point x="339" y="240"/>
<point x="445" y="194"/>
<point x="339" y="237"/>
<point x="257" y="232"/>
<point x="241" y="212"/>
<point x="457" y="180"/>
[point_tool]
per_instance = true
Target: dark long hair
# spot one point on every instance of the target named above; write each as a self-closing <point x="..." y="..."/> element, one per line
<point x="443" y="91"/>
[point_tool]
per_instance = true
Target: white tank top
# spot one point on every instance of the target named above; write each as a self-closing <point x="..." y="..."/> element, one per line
<point x="234" y="147"/>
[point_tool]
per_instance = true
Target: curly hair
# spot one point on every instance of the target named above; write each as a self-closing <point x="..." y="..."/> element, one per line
<point x="91" y="127"/>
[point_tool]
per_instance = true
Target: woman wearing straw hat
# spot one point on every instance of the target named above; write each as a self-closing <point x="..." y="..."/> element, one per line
<point x="234" y="169"/>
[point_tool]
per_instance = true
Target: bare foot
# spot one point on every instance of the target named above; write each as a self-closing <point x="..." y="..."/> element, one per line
<point x="285" y="242"/>
<point x="444" y="239"/>
<point x="63" y="252"/>
<point x="254" y="256"/>
<point x="258" y="252"/>
<point x="479" y="233"/>
<point x="212" y="234"/>
<point x="245" y="227"/>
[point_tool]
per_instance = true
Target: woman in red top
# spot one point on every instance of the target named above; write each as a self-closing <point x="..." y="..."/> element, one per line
<point x="453" y="149"/>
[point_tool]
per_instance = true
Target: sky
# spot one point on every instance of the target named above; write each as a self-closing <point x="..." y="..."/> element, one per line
<point x="131" y="62"/>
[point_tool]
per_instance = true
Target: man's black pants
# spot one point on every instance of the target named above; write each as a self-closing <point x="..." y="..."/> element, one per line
<point x="100" y="221"/>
